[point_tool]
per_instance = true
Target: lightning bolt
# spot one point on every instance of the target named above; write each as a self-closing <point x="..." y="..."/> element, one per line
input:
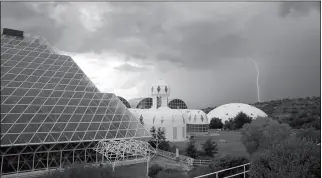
<point x="257" y="80"/>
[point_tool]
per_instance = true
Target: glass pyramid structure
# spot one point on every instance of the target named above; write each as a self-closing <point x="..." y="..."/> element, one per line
<point x="51" y="113"/>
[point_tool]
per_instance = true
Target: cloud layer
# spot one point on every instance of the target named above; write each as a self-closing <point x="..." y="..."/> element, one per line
<point x="202" y="50"/>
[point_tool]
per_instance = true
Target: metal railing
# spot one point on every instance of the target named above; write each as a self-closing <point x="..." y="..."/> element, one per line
<point x="183" y="159"/>
<point x="216" y="174"/>
<point x="197" y="162"/>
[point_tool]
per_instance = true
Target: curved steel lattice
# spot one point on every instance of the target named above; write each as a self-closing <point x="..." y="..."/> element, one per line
<point x="177" y="104"/>
<point x="119" y="150"/>
<point x="125" y="102"/>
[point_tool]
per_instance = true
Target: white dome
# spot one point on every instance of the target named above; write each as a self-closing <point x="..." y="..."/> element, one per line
<point x="195" y="116"/>
<point x="171" y="121"/>
<point x="162" y="117"/>
<point x="227" y="111"/>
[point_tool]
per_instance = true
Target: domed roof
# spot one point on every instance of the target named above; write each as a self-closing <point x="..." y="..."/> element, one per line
<point x="227" y="111"/>
<point x="195" y="116"/>
<point x="165" y="116"/>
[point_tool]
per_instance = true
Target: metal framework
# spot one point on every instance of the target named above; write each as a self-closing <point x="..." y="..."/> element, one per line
<point x="120" y="150"/>
<point x="52" y="115"/>
<point x="177" y="104"/>
<point x="125" y="102"/>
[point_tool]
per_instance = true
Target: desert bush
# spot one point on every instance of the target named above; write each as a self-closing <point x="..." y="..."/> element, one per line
<point x="154" y="170"/>
<point x="262" y="132"/>
<point x="309" y="134"/>
<point x="291" y="158"/>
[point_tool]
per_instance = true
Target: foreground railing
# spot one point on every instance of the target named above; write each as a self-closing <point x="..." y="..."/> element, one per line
<point x="216" y="174"/>
<point x="198" y="162"/>
<point x="183" y="159"/>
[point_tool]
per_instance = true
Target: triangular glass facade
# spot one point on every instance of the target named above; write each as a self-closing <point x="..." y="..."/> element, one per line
<point x="47" y="99"/>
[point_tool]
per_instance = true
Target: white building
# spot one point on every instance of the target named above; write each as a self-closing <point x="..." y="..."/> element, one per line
<point x="177" y="123"/>
<point x="227" y="111"/>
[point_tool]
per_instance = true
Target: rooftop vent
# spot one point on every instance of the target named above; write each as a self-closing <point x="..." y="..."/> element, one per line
<point x="11" y="32"/>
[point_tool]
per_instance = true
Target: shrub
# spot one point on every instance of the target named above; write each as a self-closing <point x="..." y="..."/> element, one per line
<point x="228" y="162"/>
<point x="191" y="150"/>
<point x="263" y="132"/>
<point x="291" y="158"/>
<point x="216" y="123"/>
<point x="210" y="147"/>
<point x="241" y="119"/>
<point x="230" y="124"/>
<point x="198" y="171"/>
<point x="154" y="170"/>
<point x="309" y="134"/>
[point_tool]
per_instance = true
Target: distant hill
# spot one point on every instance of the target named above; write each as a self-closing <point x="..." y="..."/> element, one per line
<point x="282" y="107"/>
<point x="287" y="107"/>
<point x="297" y="112"/>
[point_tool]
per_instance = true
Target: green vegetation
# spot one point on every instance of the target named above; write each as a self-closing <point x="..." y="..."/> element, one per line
<point x="276" y="152"/>
<point x="298" y="113"/>
<point x="233" y="145"/>
<point x="220" y="164"/>
<point x="216" y="123"/>
<point x="158" y="139"/>
<point x="263" y="132"/>
<point x="191" y="149"/>
<point x="210" y="148"/>
<point x="80" y="171"/>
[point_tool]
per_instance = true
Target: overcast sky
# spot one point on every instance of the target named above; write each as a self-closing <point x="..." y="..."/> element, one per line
<point x="202" y="50"/>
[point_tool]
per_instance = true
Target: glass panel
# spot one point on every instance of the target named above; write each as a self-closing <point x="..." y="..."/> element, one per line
<point x="82" y="126"/>
<point x="25" y="118"/>
<point x="45" y="127"/>
<point x="64" y="118"/>
<point x="26" y="100"/>
<point x="17" y="128"/>
<point x="12" y="100"/>
<point x="38" y="118"/>
<point x="89" y="135"/>
<point x="24" y="138"/>
<point x="10" y="118"/>
<point x="5" y="127"/>
<point x="71" y="127"/>
<point x="32" y="128"/>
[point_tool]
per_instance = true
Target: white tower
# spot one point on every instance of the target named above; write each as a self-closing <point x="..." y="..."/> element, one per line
<point x="160" y="93"/>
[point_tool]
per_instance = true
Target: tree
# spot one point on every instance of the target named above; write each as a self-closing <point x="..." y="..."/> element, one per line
<point x="262" y="132"/>
<point x="229" y="125"/>
<point x="158" y="139"/>
<point x="191" y="149"/>
<point x="290" y="158"/>
<point x="210" y="147"/>
<point x="241" y="119"/>
<point x="215" y="123"/>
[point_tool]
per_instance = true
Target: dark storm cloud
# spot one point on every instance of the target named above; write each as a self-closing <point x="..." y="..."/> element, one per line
<point x="197" y="37"/>
<point x="23" y="16"/>
<point x="302" y="7"/>
<point x="130" y="68"/>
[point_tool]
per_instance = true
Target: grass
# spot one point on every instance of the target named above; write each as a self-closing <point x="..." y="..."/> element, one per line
<point x="233" y="145"/>
<point x="79" y="171"/>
